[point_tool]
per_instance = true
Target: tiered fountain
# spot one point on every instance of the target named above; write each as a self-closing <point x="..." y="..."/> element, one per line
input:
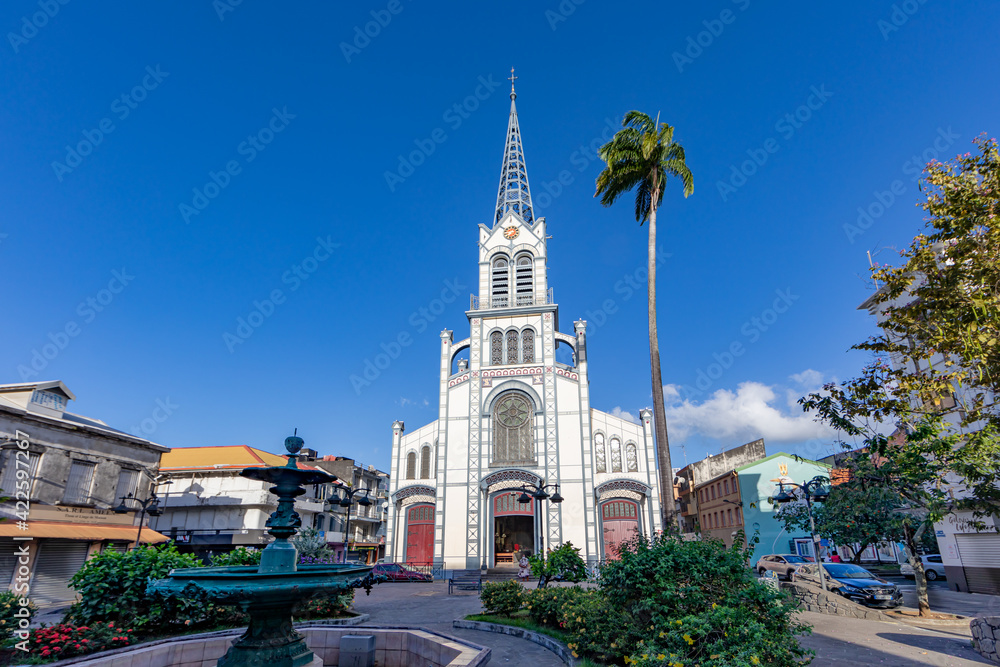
<point x="269" y="593"/>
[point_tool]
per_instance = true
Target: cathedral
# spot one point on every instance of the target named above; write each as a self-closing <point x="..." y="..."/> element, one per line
<point x="517" y="461"/>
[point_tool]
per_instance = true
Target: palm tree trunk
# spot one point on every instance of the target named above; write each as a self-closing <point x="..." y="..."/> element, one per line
<point x="659" y="411"/>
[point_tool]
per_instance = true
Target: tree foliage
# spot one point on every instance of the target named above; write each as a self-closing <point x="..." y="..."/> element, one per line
<point x="562" y="564"/>
<point x="854" y="514"/>
<point x="940" y="319"/>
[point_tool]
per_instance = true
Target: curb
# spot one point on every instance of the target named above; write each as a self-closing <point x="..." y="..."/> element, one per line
<point x="544" y="641"/>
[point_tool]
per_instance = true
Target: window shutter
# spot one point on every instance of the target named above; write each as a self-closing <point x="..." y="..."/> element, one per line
<point x="81" y="477"/>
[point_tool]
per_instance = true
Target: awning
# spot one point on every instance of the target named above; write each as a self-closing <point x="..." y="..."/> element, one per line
<point x="92" y="532"/>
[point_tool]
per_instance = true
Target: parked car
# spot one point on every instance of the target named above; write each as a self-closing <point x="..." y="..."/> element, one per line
<point x="853" y="582"/>
<point x="933" y="568"/>
<point x="781" y="564"/>
<point x="396" y="572"/>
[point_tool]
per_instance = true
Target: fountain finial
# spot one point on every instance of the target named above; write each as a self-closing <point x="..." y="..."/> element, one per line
<point x="294" y="443"/>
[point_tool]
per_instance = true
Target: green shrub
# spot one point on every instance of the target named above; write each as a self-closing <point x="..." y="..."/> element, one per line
<point x="112" y="588"/>
<point x="544" y="604"/>
<point x="502" y="597"/>
<point x="312" y="547"/>
<point x="562" y="564"/>
<point x="699" y="602"/>
<point x="238" y="556"/>
<point x="56" y="642"/>
<point x="8" y="607"/>
<point x="595" y="627"/>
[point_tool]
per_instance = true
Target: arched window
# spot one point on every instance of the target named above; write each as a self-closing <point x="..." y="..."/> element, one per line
<point x="599" y="454"/>
<point x="496" y="348"/>
<point x="513" y="430"/>
<point x="500" y="283"/>
<point x="411" y="465"/>
<point x="524" y="282"/>
<point x="527" y="346"/>
<point x="616" y="455"/>
<point x="512" y="346"/>
<point x="631" y="457"/>
<point x="425" y="462"/>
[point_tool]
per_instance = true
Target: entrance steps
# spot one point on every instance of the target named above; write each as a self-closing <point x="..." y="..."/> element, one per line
<point x="500" y="574"/>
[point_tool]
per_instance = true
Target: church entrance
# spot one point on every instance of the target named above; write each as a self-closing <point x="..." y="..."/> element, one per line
<point x="513" y="528"/>
<point x="619" y="522"/>
<point x="420" y="534"/>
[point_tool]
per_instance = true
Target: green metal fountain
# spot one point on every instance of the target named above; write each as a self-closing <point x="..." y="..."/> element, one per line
<point x="271" y="592"/>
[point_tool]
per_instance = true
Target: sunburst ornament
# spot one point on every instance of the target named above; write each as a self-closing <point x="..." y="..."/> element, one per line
<point x="511" y="233"/>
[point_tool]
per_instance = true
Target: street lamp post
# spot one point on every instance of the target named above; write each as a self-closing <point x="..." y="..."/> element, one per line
<point x="150" y="506"/>
<point x="346" y="501"/>
<point x="814" y="489"/>
<point x="538" y="492"/>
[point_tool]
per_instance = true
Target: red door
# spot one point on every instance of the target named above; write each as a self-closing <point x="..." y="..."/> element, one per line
<point x="420" y="534"/>
<point x="619" y="521"/>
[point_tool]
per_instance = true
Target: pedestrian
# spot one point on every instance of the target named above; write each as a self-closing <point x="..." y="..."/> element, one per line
<point x="524" y="569"/>
<point x="835" y="558"/>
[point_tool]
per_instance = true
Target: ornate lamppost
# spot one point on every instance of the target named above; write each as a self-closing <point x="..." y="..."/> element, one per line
<point x="814" y="489"/>
<point x="347" y="501"/>
<point x="150" y="506"/>
<point x="538" y="493"/>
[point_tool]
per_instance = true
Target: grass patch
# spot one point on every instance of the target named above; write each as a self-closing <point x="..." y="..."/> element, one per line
<point x="521" y="620"/>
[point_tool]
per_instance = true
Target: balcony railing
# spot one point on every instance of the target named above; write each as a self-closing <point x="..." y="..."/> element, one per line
<point x="516" y="301"/>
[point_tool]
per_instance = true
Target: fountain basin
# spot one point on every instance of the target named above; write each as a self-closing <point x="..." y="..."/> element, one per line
<point x="243" y="584"/>
<point x="395" y="646"/>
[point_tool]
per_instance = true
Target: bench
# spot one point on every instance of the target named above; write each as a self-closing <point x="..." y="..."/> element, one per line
<point x="466" y="580"/>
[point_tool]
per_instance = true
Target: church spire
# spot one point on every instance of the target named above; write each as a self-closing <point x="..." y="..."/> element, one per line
<point x="513" y="195"/>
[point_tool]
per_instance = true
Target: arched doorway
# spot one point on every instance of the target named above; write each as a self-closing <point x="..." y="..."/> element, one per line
<point x="513" y="527"/>
<point x="619" y="522"/>
<point x="420" y="534"/>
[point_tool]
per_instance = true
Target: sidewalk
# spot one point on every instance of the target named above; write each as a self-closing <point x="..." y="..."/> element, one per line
<point x="838" y="641"/>
<point x="429" y="606"/>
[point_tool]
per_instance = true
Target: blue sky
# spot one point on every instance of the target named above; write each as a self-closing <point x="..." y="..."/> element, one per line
<point x="248" y="159"/>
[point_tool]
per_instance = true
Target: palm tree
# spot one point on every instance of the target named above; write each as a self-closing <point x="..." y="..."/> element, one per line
<point x="641" y="157"/>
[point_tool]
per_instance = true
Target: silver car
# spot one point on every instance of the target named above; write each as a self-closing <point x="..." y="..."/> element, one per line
<point x="933" y="568"/>
<point x="781" y="564"/>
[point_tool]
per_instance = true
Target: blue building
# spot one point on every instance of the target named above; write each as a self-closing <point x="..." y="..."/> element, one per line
<point x="758" y="481"/>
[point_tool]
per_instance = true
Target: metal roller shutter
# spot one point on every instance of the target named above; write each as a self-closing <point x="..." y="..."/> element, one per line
<point x="980" y="554"/>
<point x="8" y="562"/>
<point x="57" y="562"/>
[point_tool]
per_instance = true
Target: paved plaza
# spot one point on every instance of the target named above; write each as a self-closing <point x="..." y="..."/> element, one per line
<point x="837" y="641"/>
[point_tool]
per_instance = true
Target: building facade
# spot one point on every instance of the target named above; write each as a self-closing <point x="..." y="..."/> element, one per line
<point x="757" y="483"/>
<point x="208" y="508"/>
<point x="689" y="480"/>
<point x="69" y="472"/>
<point x="510" y="416"/>
<point x="365" y="541"/>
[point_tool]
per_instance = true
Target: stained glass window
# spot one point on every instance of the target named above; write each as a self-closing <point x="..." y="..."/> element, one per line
<point x="513" y="440"/>
<point x="631" y="457"/>
<point x="528" y="347"/>
<point x="496" y="348"/>
<point x="411" y="465"/>
<point x="599" y="453"/>
<point x="512" y="347"/>
<point x="616" y="455"/>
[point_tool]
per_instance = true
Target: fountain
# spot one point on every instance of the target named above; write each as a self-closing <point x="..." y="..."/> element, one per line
<point x="269" y="593"/>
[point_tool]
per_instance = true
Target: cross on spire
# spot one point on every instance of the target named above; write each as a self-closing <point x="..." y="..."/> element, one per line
<point x="512" y="78"/>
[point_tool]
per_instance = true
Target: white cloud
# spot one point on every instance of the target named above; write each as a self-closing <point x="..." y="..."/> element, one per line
<point x="627" y="416"/>
<point x="808" y="379"/>
<point x="752" y="411"/>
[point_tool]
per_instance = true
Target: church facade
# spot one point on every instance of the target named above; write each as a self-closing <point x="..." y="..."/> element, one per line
<point x="511" y="418"/>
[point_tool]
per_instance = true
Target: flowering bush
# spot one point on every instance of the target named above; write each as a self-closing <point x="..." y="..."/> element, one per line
<point x="8" y="607"/>
<point x="327" y="607"/>
<point x="502" y="597"/>
<point x="56" y="642"/>
<point x="544" y="604"/>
